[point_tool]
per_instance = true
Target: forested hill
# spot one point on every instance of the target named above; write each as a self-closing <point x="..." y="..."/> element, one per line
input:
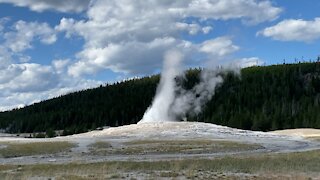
<point x="261" y="98"/>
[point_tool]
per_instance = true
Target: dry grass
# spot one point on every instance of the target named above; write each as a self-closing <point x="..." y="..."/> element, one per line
<point x="277" y="166"/>
<point x="100" y="145"/>
<point x="172" y="146"/>
<point x="315" y="138"/>
<point x="11" y="149"/>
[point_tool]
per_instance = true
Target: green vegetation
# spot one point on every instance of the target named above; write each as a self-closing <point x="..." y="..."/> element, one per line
<point x="50" y="133"/>
<point x="111" y="105"/>
<point x="261" y="98"/>
<point x="268" y="98"/>
<point x="12" y="149"/>
<point x="301" y="165"/>
<point x="170" y="146"/>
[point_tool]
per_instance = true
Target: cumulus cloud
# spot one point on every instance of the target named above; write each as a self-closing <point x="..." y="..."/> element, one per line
<point x="250" y="11"/>
<point x="126" y="36"/>
<point x="10" y="100"/>
<point x="207" y="29"/>
<point x="248" y="62"/>
<point x="57" y="5"/>
<point x="60" y="65"/>
<point x="128" y="57"/>
<point x="19" y="37"/>
<point x="218" y="47"/>
<point x="294" y="30"/>
<point x="24" y="84"/>
<point x="25" y="32"/>
<point x="130" y="36"/>
<point x="5" y="57"/>
<point x="29" y="77"/>
<point x="8" y="73"/>
<point x="2" y="22"/>
<point x="139" y="57"/>
<point x="191" y="28"/>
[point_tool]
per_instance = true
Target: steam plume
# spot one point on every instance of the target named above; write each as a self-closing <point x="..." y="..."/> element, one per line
<point x="160" y="109"/>
<point x="172" y="102"/>
<point x="193" y="100"/>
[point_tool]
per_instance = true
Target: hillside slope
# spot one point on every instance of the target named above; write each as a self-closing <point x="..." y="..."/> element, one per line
<point x="261" y="98"/>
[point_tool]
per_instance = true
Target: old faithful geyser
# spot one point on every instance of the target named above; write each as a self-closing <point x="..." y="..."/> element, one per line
<point x="159" y="111"/>
<point x="172" y="102"/>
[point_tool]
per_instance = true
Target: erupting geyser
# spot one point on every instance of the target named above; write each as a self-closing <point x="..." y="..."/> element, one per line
<point x="172" y="102"/>
<point x="159" y="111"/>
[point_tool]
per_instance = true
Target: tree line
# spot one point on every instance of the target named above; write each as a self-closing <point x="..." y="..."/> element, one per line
<point x="259" y="98"/>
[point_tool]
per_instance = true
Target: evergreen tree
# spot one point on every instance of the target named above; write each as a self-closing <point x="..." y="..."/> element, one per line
<point x="260" y="98"/>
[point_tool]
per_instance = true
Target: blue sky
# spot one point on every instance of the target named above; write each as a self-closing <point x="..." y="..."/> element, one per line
<point x="48" y="48"/>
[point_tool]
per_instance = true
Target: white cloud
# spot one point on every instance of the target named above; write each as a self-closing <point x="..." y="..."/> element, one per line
<point x="1" y="25"/>
<point x="144" y="58"/>
<point x="24" y="84"/>
<point x="29" y="77"/>
<point x="5" y="57"/>
<point x="24" y="58"/>
<point x="25" y="32"/>
<point x="3" y="21"/>
<point x="8" y="73"/>
<point x="57" y="5"/>
<point x="127" y="36"/>
<point x="218" y="47"/>
<point x="250" y="11"/>
<point x="206" y="29"/>
<point x="294" y="30"/>
<point x="129" y="57"/>
<point x="20" y="99"/>
<point x="248" y="62"/>
<point x="60" y="65"/>
<point x="131" y="36"/>
<point x="191" y="28"/>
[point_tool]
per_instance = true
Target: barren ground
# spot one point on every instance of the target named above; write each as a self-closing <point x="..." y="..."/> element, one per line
<point x="165" y="150"/>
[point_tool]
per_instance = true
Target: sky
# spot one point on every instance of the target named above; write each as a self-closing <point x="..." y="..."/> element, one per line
<point x="50" y="48"/>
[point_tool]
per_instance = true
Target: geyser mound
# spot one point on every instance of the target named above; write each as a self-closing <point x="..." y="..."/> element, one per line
<point x="176" y="131"/>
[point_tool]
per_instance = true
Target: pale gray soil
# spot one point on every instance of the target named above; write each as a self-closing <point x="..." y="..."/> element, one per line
<point x="118" y="139"/>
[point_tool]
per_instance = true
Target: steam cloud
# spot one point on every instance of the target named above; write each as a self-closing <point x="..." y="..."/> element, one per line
<point x="160" y="111"/>
<point x="172" y="102"/>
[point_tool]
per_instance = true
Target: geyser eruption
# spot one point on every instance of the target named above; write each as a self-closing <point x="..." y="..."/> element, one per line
<point x="192" y="101"/>
<point x="159" y="111"/>
<point x="172" y="102"/>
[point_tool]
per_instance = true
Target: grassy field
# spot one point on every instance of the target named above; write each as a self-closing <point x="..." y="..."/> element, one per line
<point x="171" y="146"/>
<point x="13" y="149"/>
<point x="302" y="165"/>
